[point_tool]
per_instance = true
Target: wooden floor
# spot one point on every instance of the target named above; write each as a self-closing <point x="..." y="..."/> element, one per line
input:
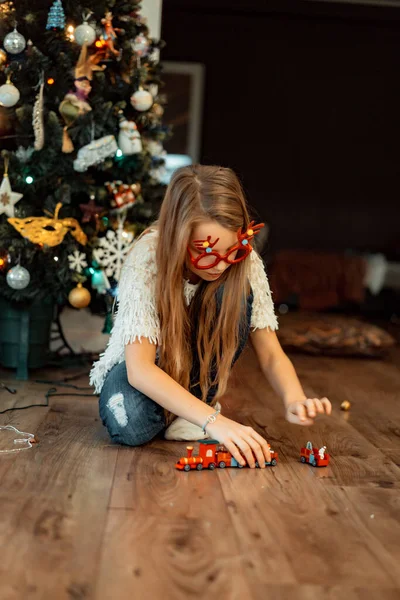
<point x="83" y="519"/>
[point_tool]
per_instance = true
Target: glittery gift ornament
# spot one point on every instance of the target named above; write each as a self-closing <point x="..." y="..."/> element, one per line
<point x="122" y="195"/>
<point x="95" y="153"/>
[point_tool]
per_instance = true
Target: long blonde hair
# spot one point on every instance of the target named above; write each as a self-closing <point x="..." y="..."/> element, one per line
<point x="198" y="193"/>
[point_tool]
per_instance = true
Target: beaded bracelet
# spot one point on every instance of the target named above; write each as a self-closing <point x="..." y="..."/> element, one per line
<point x="210" y="419"/>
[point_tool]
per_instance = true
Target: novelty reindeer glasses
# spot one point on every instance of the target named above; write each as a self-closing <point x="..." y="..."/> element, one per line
<point x="209" y="258"/>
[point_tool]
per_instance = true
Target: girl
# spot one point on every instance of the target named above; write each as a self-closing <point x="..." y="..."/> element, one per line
<point x="191" y="292"/>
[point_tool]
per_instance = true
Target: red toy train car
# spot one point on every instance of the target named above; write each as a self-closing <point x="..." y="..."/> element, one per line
<point x="313" y="456"/>
<point x="213" y="454"/>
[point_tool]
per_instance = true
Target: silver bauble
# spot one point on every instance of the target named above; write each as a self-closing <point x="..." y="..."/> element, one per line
<point x="9" y="95"/>
<point x="14" y="42"/>
<point x="84" y="34"/>
<point x="18" y="278"/>
<point x="142" y="100"/>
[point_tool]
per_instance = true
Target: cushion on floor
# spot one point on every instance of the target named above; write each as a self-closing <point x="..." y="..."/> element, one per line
<point x="332" y="335"/>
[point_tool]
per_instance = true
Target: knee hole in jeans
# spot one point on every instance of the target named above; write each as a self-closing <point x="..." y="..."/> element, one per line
<point x="117" y="407"/>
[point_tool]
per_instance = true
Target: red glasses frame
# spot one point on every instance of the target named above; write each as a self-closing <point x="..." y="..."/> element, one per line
<point x="207" y="246"/>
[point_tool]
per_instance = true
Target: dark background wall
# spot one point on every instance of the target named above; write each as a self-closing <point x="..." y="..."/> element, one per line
<point x="302" y="99"/>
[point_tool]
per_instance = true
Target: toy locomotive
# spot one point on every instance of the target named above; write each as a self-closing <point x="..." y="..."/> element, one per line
<point x="212" y="454"/>
<point x="313" y="456"/>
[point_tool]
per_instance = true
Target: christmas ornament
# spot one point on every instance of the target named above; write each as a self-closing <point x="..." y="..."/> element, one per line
<point x="129" y="138"/>
<point x="37" y="119"/>
<point x="75" y="103"/>
<point x="9" y="94"/>
<point x="100" y="281"/>
<point x="153" y="89"/>
<point x="79" y="297"/>
<point x="122" y="195"/>
<point x="56" y="17"/>
<point x="4" y="260"/>
<point x="18" y="278"/>
<point x="112" y="250"/>
<point x="77" y="261"/>
<point x="140" y="45"/>
<point x="141" y="100"/>
<point x="155" y="148"/>
<point x="90" y="210"/>
<point x="109" y="35"/>
<point x="49" y="231"/>
<point x="24" y="154"/>
<point x="14" y="42"/>
<point x="95" y="153"/>
<point x="8" y="198"/>
<point x="3" y="58"/>
<point x="157" y="109"/>
<point x="85" y="34"/>
<point x="345" y="405"/>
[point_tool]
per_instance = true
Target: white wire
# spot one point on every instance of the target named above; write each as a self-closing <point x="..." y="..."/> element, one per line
<point x="18" y="440"/>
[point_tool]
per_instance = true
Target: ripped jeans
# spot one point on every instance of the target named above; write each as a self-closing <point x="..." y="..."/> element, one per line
<point x="131" y="417"/>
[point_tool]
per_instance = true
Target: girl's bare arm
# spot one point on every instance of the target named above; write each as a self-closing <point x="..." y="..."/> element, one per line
<point x="148" y="378"/>
<point x="282" y="376"/>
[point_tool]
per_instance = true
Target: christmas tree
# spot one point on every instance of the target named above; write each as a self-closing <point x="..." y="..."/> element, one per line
<point x="82" y="145"/>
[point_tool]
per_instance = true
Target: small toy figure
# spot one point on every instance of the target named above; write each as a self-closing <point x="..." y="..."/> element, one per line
<point x="129" y="140"/>
<point x="213" y="454"/>
<point x="76" y="103"/>
<point x="110" y="35"/>
<point x="313" y="456"/>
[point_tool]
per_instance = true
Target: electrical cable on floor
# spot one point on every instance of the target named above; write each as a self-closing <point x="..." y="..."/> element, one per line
<point x="53" y="392"/>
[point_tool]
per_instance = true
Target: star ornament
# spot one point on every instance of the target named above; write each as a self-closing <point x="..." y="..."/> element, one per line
<point x="90" y="210"/>
<point x="8" y="198"/>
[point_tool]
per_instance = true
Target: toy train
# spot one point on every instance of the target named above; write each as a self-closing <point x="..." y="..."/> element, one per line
<point x="313" y="456"/>
<point x="212" y="454"/>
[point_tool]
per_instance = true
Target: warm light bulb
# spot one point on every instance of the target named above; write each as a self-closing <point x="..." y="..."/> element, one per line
<point x="2" y="262"/>
<point x="50" y="81"/>
<point x="56" y="258"/>
<point x="70" y="33"/>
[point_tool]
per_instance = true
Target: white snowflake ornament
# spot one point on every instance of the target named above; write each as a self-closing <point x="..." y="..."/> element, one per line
<point x="112" y="250"/>
<point x="77" y="261"/>
<point x="8" y="198"/>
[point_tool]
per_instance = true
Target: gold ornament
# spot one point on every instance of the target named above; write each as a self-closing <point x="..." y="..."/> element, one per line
<point x="158" y="109"/>
<point x="79" y="297"/>
<point x="49" y="231"/>
<point x="3" y="59"/>
<point x="345" y="405"/>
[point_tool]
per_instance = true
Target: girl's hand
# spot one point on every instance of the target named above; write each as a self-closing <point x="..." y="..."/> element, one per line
<point x="302" y="412"/>
<point x="240" y="439"/>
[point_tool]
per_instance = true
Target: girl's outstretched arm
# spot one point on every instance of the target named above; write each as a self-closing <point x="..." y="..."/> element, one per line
<point x="281" y="374"/>
<point x="147" y="377"/>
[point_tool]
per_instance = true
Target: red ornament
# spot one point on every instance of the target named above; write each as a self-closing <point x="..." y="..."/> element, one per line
<point x="123" y="195"/>
<point x="90" y="210"/>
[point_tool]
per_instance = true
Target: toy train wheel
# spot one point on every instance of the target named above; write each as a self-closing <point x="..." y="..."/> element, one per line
<point x="222" y="465"/>
<point x="186" y="468"/>
<point x="303" y="459"/>
<point x="199" y="467"/>
<point x="211" y="466"/>
<point x="274" y="462"/>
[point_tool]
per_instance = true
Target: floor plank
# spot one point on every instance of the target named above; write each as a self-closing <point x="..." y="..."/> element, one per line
<point x="174" y="529"/>
<point x="84" y="519"/>
<point x="53" y="503"/>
